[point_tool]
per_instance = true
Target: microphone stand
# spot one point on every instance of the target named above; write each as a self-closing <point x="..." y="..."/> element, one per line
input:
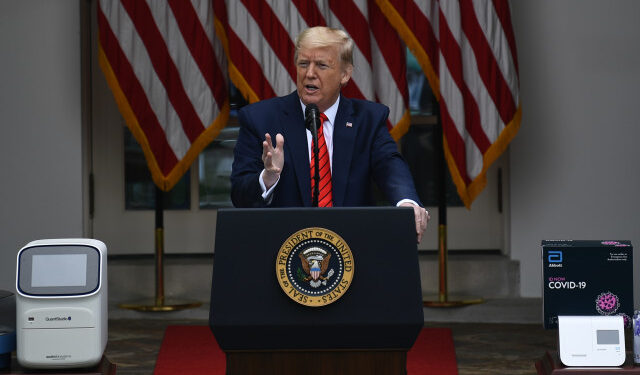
<point x="316" y="172"/>
<point x="312" y="125"/>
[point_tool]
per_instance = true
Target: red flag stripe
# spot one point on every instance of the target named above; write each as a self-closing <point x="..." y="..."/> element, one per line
<point x="504" y="15"/>
<point x="388" y="91"/>
<point x="132" y="89"/>
<point x="389" y="70"/>
<point x="310" y="13"/>
<point x="245" y="70"/>
<point x="355" y="24"/>
<point x="488" y="68"/>
<point x="391" y="45"/>
<point x="164" y="66"/>
<point x="351" y="90"/>
<point x="220" y="12"/>
<point x="201" y="48"/>
<point x="418" y="22"/>
<point x="135" y="52"/>
<point x="392" y="52"/>
<point x="451" y="52"/>
<point x="361" y="86"/>
<point x="454" y="143"/>
<point x="249" y="33"/>
<point x="274" y="33"/>
<point x="360" y="81"/>
<point x="497" y="42"/>
<point x="406" y="17"/>
<point x="496" y="39"/>
<point x="290" y="19"/>
<point x="189" y="74"/>
<point x="250" y="68"/>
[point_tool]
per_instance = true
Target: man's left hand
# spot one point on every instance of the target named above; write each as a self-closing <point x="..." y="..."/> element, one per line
<point x="422" y="217"/>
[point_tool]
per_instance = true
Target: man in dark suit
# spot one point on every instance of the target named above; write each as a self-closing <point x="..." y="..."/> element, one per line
<point x="359" y="146"/>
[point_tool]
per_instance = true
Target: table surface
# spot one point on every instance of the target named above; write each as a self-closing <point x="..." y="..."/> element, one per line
<point x="103" y="368"/>
<point x="550" y="364"/>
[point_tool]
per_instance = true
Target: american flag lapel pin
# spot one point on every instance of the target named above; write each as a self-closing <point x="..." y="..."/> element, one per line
<point x="349" y="125"/>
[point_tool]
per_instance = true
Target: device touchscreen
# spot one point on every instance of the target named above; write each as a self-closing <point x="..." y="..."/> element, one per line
<point x="59" y="270"/>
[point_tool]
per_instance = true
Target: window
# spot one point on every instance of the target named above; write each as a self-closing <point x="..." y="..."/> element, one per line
<point x="139" y="189"/>
<point x="214" y="170"/>
<point x="214" y="163"/>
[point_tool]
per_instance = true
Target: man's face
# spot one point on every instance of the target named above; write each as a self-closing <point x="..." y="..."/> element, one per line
<point x="321" y="74"/>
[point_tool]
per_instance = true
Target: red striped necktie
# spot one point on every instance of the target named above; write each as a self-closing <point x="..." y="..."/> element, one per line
<point x="325" y="197"/>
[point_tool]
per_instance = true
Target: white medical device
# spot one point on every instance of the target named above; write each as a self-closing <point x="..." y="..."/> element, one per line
<point x="588" y="341"/>
<point x="61" y="304"/>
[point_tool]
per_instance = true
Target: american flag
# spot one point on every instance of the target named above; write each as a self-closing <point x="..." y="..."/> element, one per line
<point x="152" y="54"/>
<point x="467" y="50"/>
<point x="259" y="37"/>
<point x="167" y="71"/>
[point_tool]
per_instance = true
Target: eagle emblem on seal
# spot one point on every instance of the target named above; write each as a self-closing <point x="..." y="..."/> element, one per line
<point x="315" y="262"/>
<point x="314" y="266"/>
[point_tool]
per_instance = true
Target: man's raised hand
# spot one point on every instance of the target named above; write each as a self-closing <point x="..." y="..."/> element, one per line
<point x="273" y="159"/>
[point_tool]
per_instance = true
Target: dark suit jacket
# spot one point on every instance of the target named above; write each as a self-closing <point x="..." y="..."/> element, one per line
<point x="362" y="153"/>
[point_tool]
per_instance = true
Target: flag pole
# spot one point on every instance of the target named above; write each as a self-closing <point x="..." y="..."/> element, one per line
<point x="159" y="303"/>
<point x="443" y="299"/>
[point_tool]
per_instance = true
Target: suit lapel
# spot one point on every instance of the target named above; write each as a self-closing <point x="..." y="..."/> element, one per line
<point x="295" y="143"/>
<point x="343" y="143"/>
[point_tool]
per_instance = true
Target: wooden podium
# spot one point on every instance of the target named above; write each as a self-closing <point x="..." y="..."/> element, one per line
<point x="318" y="362"/>
<point x="368" y="329"/>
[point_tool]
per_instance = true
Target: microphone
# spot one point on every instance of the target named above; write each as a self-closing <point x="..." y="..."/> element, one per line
<point x="312" y="117"/>
<point x="312" y="121"/>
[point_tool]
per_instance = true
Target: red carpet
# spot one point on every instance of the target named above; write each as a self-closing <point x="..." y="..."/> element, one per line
<point x="193" y="350"/>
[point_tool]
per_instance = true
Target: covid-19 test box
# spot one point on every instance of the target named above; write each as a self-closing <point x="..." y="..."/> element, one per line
<point x="586" y="277"/>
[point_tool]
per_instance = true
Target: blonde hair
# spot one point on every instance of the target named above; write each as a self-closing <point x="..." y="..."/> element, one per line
<point x="321" y="36"/>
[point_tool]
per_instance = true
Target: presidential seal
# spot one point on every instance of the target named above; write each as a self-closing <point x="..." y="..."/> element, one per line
<point x="314" y="267"/>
